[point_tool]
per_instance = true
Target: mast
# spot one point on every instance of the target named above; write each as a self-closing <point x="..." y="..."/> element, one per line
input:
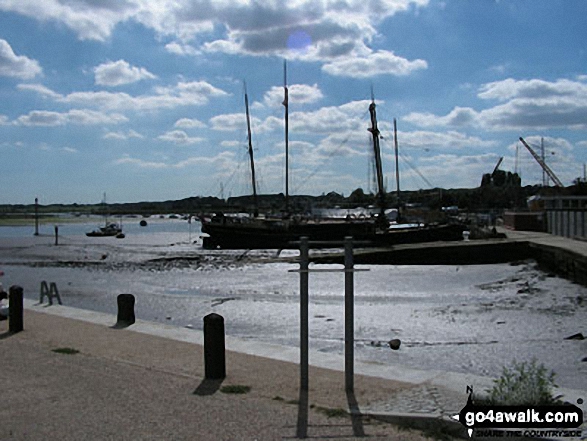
<point x="378" y="168"/>
<point x="396" y="165"/>
<point x="286" y="104"/>
<point x="254" y="181"/>
<point x="544" y="178"/>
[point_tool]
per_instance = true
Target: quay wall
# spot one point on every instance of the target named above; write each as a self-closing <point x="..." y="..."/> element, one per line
<point x="563" y="262"/>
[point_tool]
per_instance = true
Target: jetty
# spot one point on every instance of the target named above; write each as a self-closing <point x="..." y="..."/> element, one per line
<point x="560" y="255"/>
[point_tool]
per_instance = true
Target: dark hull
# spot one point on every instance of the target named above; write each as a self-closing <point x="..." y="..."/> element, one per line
<point x="283" y="235"/>
<point x="101" y="234"/>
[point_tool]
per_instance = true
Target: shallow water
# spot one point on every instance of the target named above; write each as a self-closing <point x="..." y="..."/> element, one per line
<point x="472" y="319"/>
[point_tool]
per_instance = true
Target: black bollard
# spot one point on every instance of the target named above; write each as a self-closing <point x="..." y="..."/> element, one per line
<point x="214" y="357"/>
<point x="126" y="310"/>
<point x="15" y="309"/>
<point x="56" y="235"/>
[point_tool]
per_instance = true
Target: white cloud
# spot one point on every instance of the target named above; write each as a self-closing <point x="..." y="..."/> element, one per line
<point x="450" y="140"/>
<point x="179" y="137"/>
<point x="230" y="143"/>
<point x="90" y="19"/>
<point x="76" y="116"/>
<point x="140" y="163"/>
<point x="344" y="118"/>
<point x="118" y="73"/>
<point x="458" y="117"/>
<point x="18" y="66"/>
<point x="187" y="123"/>
<point x="377" y="63"/>
<point x="4" y="120"/>
<point x="123" y="135"/>
<point x="524" y="105"/>
<point x="40" y="89"/>
<point x="69" y="150"/>
<point x="231" y="122"/>
<point x="325" y="31"/>
<point x="181" y="49"/>
<point x="182" y="94"/>
<point x="297" y="94"/>
<point x="221" y="162"/>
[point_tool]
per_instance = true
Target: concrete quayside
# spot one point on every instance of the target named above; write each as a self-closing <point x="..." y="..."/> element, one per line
<point x="562" y="256"/>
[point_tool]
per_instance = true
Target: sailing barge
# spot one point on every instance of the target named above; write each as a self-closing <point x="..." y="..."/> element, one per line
<point x="283" y="232"/>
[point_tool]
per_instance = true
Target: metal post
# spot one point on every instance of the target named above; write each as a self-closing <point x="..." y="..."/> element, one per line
<point x="214" y="347"/>
<point x="56" y="235"/>
<point x="304" y="301"/>
<point x="15" y="309"/>
<point x="36" y="216"/>
<point x="349" y="316"/>
<point x="126" y="310"/>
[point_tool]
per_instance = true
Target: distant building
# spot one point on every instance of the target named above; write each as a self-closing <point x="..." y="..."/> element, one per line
<point x="565" y="215"/>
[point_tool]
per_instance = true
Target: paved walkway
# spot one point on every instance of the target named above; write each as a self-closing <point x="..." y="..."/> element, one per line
<point x="145" y="382"/>
<point x="576" y="246"/>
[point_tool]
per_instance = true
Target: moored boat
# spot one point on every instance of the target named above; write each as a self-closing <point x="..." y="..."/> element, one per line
<point x="254" y="232"/>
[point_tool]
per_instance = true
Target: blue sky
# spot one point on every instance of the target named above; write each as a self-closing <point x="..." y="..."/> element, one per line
<point x="144" y="99"/>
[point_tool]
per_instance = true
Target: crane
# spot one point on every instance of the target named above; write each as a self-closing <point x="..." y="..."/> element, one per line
<point x="496" y="167"/>
<point x="545" y="167"/>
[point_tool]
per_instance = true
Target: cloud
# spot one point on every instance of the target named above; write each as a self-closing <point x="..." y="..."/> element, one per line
<point x="140" y="163"/>
<point x="297" y="94"/>
<point x="122" y="135"/>
<point x="46" y="118"/>
<point x="118" y="73"/>
<point x="181" y="49"/>
<point x="187" y="123"/>
<point x="376" y="63"/>
<point x="40" y="89"/>
<point x="311" y="30"/>
<point x="222" y="161"/>
<point x="344" y="118"/>
<point x="535" y="104"/>
<point x="446" y="170"/>
<point x="450" y="140"/>
<point x="231" y="122"/>
<point x="18" y="66"/>
<point x="524" y="105"/>
<point x="182" y="94"/>
<point x="179" y="137"/>
<point x="230" y="143"/>
<point x="89" y="19"/>
<point x="458" y="117"/>
<point x="69" y="150"/>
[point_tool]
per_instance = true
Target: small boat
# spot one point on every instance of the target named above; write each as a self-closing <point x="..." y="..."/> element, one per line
<point x="108" y="230"/>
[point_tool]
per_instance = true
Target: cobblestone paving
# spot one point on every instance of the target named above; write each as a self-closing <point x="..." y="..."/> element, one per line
<point x="423" y="399"/>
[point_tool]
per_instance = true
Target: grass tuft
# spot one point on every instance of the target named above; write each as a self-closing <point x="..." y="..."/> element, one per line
<point x="332" y="413"/>
<point x="68" y="351"/>
<point x="235" y="389"/>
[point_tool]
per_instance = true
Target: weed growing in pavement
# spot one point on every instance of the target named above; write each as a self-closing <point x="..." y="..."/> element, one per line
<point x="68" y="351"/>
<point x="235" y="389"/>
<point x="523" y="384"/>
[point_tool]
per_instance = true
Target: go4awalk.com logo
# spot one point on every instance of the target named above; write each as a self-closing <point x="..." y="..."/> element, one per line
<point x="526" y="421"/>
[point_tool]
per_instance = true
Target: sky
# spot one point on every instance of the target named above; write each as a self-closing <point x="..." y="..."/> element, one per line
<point x="144" y="99"/>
